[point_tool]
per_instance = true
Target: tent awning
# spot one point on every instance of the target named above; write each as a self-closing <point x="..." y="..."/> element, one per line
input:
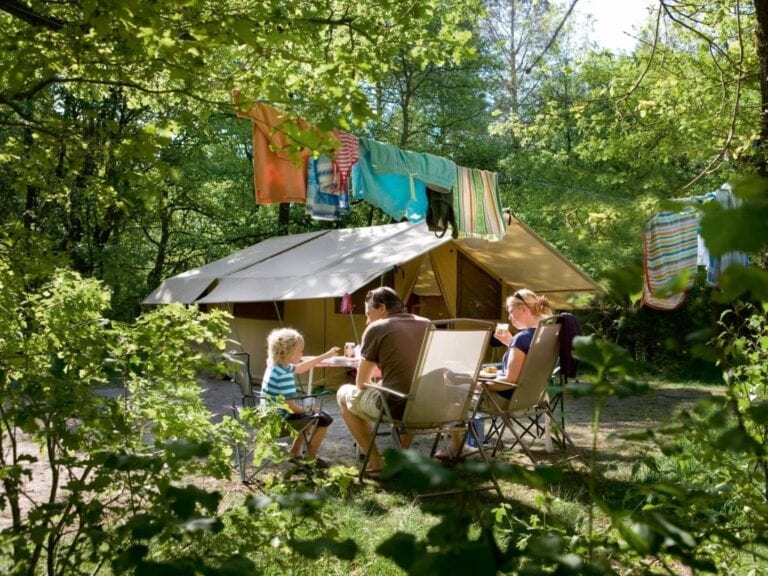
<point x="332" y="263"/>
<point x="329" y="264"/>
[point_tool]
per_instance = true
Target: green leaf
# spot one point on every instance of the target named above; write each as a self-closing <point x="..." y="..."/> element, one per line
<point x="759" y="412"/>
<point x="127" y="560"/>
<point x="143" y="526"/>
<point x="742" y="229"/>
<point x="212" y="525"/>
<point x="737" y="440"/>
<point x="640" y="536"/>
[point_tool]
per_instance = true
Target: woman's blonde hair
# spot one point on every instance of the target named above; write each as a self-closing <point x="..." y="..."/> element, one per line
<point x="538" y="305"/>
<point x="281" y="342"/>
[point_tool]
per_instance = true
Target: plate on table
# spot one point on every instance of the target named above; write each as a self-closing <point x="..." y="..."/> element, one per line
<point x="489" y="373"/>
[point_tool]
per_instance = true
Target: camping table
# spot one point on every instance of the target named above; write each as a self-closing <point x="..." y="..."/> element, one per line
<point x="335" y="362"/>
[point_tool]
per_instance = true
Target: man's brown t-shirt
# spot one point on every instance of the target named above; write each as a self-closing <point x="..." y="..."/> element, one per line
<point x="394" y="343"/>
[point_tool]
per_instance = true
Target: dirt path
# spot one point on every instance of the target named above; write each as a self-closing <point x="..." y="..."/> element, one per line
<point x="618" y="416"/>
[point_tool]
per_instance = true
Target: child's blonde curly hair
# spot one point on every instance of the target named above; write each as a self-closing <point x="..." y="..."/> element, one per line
<point x="281" y="343"/>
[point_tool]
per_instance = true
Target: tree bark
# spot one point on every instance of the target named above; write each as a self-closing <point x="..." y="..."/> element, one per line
<point x="283" y="219"/>
<point x="761" y="40"/>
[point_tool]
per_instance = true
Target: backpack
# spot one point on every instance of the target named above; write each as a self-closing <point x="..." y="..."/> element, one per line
<point x="440" y="214"/>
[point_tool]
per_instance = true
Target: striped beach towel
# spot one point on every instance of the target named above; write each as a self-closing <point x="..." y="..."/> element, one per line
<point x="477" y="205"/>
<point x="670" y="248"/>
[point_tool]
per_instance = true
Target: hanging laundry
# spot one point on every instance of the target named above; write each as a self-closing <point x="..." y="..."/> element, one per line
<point x="322" y="204"/>
<point x="344" y="157"/>
<point x="670" y="248"/>
<point x="396" y="195"/>
<point x="278" y="175"/>
<point x="717" y="265"/>
<point x="435" y="171"/>
<point x="477" y="205"/>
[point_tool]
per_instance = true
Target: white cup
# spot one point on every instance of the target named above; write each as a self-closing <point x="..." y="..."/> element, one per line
<point x="502" y="327"/>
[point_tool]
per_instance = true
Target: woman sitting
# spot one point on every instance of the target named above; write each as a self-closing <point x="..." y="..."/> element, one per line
<point x="525" y="310"/>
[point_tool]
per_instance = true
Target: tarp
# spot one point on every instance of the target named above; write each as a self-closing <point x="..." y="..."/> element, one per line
<point x="302" y="266"/>
<point x="336" y="262"/>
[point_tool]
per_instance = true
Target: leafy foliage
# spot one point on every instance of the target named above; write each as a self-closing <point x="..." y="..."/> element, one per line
<point x="121" y="161"/>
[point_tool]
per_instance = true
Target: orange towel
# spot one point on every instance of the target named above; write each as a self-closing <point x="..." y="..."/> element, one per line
<point x="279" y="169"/>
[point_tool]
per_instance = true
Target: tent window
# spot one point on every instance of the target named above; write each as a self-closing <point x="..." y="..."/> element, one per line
<point x="259" y="310"/>
<point x="479" y="293"/>
<point x="358" y="296"/>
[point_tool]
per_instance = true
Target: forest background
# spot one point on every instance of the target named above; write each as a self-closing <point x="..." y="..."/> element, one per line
<point x="122" y="161"/>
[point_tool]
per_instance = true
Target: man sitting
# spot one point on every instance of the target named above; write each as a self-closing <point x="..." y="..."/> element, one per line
<point x="392" y="342"/>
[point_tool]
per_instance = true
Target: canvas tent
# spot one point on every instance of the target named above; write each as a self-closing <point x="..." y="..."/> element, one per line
<point x="299" y="280"/>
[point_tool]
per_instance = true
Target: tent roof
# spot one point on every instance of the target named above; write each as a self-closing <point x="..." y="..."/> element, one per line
<point x="523" y="259"/>
<point x="314" y="265"/>
<point x="334" y="262"/>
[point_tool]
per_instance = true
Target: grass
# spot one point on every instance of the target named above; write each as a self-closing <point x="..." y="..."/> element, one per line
<point x="372" y="514"/>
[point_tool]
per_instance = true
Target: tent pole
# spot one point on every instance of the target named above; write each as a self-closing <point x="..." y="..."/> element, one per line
<point x="354" y="328"/>
<point x="277" y="311"/>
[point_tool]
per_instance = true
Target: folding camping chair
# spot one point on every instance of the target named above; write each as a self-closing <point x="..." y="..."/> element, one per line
<point x="441" y="392"/>
<point x="537" y="426"/>
<point x="250" y="397"/>
<point x="522" y="413"/>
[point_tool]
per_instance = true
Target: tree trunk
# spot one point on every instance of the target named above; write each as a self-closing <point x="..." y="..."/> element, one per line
<point x="761" y="39"/>
<point x="156" y="274"/>
<point x="513" y="84"/>
<point x="283" y="219"/>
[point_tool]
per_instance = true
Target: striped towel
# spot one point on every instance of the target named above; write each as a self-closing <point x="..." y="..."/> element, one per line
<point x="477" y="205"/>
<point x="670" y="248"/>
<point x="346" y="155"/>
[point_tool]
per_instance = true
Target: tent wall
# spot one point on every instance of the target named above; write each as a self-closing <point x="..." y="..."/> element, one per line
<point x="320" y="324"/>
<point x="302" y="271"/>
<point x="443" y="259"/>
<point x="251" y="334"/>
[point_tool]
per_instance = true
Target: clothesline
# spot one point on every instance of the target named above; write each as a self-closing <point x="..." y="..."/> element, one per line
<point x="383" y="175"/>
<point x="571" y="189"/>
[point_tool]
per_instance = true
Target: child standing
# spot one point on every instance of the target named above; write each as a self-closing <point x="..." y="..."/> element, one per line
<point x="285" y="347"/>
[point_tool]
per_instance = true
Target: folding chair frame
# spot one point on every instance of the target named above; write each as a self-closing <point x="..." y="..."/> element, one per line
<point x="538" y="406"/>
<point x="463" y="424"/>
<point x="250" y="398"/>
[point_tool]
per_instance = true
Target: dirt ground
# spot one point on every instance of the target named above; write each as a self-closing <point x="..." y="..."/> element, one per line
<point x="634" y="413"/>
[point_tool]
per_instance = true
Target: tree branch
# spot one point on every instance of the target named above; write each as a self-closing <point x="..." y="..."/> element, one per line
<point x="25" y="13"/>
<point x="553" y="38"/>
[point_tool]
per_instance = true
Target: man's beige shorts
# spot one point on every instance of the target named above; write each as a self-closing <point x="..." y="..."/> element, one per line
<point x="365" y="403"/>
